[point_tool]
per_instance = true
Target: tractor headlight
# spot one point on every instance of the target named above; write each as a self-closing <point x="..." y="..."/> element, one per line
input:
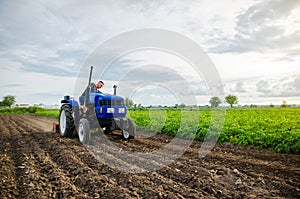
<point x="121" y="110"/>
<point x="110" y="110"/>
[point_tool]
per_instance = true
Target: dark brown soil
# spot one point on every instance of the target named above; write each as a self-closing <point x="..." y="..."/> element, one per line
<point x="36" y="163"/>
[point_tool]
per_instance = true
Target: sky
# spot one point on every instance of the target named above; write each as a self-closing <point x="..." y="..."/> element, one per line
<point x="253" y="44"/>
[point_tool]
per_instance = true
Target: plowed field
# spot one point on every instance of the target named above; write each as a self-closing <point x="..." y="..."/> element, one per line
<point x="36" y="163"/>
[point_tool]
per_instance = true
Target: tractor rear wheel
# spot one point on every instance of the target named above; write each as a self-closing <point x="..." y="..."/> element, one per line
<point x="66" y="122"/>
<point x="84" y="131"/>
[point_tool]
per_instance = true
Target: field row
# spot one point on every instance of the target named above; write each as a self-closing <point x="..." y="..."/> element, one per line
<point x="272" y="128"/>
<point x="37" y="163"/>
<point x="275" y="129"/>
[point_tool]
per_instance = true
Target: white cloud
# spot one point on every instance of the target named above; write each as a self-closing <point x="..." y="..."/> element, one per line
<point x="239" y="87"/>
<point x="263" y="27"/>
<point x="35" y="87"/>
<point x="47" y="41"/>
<point x="296" y="83"/>
<point x="283" y="87"/>
<point x="263" y="86"/>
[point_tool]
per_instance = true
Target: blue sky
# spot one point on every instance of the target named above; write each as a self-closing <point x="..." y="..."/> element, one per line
<point x="255" y="46"/>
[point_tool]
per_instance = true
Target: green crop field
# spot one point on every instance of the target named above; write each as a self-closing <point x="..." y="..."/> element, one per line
<point x="54" y="113"/>
<point x="33" y="109"/>
<point x="272" y="128"/>
<point x="276" y="129"/>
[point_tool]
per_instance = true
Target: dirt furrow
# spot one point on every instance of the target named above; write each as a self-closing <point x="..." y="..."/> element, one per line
<point x="196" y="181"/>
<point x="179" y="182"/>
<point x="37" y="163"/>
<point x="57" y="181"/>
<point x="4" y="129"/>
<point x="136" y="184"/>
<point x="34" y="123"/>
<point x="108" y="155"/>
<point x="14" y="129"/>
<point x="8" y="179"/>
<point x="222" y="174"/>
<point x="114" y="158"/>
<point x="81" y="174"/>
<point x="19" y="153"/>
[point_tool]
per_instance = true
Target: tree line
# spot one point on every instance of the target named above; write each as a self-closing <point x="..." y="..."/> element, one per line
<point x="229" y="99"/>
<point x="8" y="101"/>
<point x="215" y="102"/>
<point x="233" y="100"/>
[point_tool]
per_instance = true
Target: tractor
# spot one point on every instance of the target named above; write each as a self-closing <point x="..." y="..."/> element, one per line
<point x="94" y="110"/>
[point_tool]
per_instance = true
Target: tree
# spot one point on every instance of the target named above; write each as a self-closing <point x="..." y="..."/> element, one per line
<point x="8" y="101"/>
<point x="215" y="102"/>
<point x="182" y="105"/>
<point x="128" y="102"/>
<point x="231" y="99"/>
<point x="284" y="104"/>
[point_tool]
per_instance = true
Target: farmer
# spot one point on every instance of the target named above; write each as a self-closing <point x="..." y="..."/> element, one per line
<point x="99" y="85"/>
<point x="94" y="88"/>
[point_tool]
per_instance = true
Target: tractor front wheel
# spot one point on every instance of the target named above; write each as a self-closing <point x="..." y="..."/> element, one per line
<point x="84" y="131"/>
<point x="125" y="134"/>
<point x="132" y="129"/>
<point x="130" y="132"/>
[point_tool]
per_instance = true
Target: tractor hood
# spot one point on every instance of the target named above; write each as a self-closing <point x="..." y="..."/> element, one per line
<point x="95" y="97"/>
<point x="105" y="96"/>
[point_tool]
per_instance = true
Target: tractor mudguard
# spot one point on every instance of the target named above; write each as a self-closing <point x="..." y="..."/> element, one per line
<point x="67" y="100"/>
<point x="120" y="123"/>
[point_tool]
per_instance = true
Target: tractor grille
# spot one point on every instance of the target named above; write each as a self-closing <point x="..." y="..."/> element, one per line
<point x="111" y="103"/>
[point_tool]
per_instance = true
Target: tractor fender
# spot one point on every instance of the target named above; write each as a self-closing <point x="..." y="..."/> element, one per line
<point x="73" y="103"/>
<point x="127" y="126"/>
<point x="122" y="123"/>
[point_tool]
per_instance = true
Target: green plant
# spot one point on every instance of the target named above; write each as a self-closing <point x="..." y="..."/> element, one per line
<point x="276" y="129"/>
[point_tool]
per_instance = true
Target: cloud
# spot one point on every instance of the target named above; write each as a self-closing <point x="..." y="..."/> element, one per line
<point x="154" y="74"/>
<point x="263" y="86"/>
<point x="13" y="85"/>
<point x="297" y="83"/>
<point x="54" y="38"/>
<point x="239" y="87"/>
<point x="43" y="35"/>
<point x="47" y="41"/>
<point x="38" y="39"/>
<point x="265" y="26"/>
<point x="288" y="86"/>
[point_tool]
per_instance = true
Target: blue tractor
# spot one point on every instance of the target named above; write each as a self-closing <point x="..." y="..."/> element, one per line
<point x="94" y="110"/>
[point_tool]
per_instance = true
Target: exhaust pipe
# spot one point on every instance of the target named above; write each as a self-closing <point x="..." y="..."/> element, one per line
<point x="115" y="89"/>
